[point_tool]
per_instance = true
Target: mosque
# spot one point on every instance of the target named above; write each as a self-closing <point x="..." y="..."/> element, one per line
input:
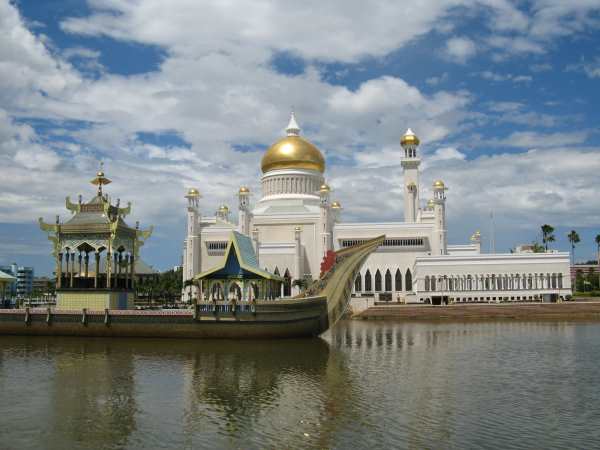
<point x="295" y="224"/>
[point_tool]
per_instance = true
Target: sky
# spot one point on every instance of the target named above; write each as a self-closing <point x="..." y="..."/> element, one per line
<point x="503" y="96"/>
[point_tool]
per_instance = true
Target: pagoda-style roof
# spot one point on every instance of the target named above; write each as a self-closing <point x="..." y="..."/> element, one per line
<point x="239" y="261"/>
<point x="96" y="216"/>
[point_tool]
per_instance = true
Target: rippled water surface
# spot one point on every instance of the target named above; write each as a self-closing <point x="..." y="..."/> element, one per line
<point x="366" y="385"/>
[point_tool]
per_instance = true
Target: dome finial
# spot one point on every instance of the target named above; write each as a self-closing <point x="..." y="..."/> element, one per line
<point x="293" y="129"/>
<point x="100" y="179"/>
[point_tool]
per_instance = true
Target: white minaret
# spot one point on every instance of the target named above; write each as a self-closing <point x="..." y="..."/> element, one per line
<point x="325" y="216"/>
<point x="410" y="164"/>
<point x="244" y="211"/>
<point x="191" y="260"/>
<point x="440" y="247"/>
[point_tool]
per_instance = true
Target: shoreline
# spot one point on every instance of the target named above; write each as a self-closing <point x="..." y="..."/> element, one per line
<point x="575" y="311"/>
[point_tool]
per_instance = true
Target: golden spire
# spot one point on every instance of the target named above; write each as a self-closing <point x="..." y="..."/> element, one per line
<point x="100" y="179"/>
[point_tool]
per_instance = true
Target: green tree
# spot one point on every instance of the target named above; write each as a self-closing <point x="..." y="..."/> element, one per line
<point x="537" y="248"/>
<point x="547" y="235"/>
<point x="573" y="239"/>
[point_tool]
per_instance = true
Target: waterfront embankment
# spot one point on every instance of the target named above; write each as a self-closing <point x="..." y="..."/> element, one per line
<point x="502" y="311"/>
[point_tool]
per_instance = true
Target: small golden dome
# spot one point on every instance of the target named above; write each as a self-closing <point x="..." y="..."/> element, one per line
<point x="193" y="192"/>
<point x="293" y="152"/>
<point x="430" y="203"/>
<point x="223" y="208"/>
<point x="100" y="174"/>
<point x="324" y="188"/>
<point x="336" y="205"/>
<point x="439" y="184"/>
<point x="244" y="190"/>
<point x="409" y="138"/>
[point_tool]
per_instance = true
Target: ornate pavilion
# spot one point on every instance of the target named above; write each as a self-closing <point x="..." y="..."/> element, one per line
<point x="96" y="253"/>
<point x="238" y="277"/>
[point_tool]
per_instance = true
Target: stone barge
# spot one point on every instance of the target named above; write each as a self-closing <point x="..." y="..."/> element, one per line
<point x="309" y="314"/>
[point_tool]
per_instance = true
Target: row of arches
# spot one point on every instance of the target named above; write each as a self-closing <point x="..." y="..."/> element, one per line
<point x="286" y="287"/>
<point x="385" y="282"/>
<point x="494" y="282"/>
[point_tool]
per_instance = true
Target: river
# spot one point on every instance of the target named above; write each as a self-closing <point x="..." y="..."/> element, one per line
<point x="365" y="385"/>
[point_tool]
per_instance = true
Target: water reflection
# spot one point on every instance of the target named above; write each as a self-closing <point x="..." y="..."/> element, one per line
<point x="497" y="384"/>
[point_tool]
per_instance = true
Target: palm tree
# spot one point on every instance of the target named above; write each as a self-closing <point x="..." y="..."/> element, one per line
<point x="547" y="235"/>
<point x="573" y="239"/>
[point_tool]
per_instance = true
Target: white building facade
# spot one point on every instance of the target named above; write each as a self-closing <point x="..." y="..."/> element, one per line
<point x="295" y="223"/>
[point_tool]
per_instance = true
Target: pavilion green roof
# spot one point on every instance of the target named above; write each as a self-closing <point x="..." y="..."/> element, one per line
<point x="239" y="261"/>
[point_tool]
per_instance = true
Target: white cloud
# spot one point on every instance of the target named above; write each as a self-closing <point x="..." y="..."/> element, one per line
<point x="590" y="68"/>
<point x="493" y="76"/>
<point x="532" y="139"/>
<point x="434" y="81"/>
<point x="459" y="49"/>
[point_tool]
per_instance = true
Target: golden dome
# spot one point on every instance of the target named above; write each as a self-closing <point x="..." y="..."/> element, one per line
<point x="324" y="188"/>
<point x="430" y="203"/>
<point x="100" y="174"/>
<point x="439" y="184"/>
<point x="193" y="192"/>
<point x="336" y="205"/>
<point x="293" y="152"/>
<point x="223" y="208"/>
<point x="409" y="138"/>
<point x="244" y="190"/>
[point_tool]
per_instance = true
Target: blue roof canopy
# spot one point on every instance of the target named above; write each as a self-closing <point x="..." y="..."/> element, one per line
<point x="239" y="261"/>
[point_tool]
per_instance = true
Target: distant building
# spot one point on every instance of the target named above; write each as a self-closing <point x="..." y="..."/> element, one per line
<point x="22" y="286"/>
<point x="42" y="284"/>
<point x="581" y="268"/>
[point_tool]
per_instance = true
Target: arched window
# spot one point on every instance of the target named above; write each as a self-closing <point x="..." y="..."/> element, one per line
<point x="560" y="281"/>
<point x="235" y="292"/>
<point x="388" y="281"/>
<point x="217" y="291"/>
<point x="432" y="283"/>
<point x="276" y="271"/>
<point x="398" y="280"/>
<point x="553" y="281"/>
<point x="378" y="281"/>
<point x="287" y="284"/>
<point x="408" y="279"/>
<point x="368" y="287"/>
<point x="469" y="283"/>
<point x="358" y="283"/>
<point x="427" y="287"/>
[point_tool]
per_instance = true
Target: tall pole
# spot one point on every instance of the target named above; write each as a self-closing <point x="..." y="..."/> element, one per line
<point x="116" y="260"/>
<point x="59" y="272"/>
<point x="97" y="271"/>
<point x="72" y="273"/>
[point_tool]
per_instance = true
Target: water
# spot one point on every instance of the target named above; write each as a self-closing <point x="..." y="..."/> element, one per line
<point x="366" y="385"/>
